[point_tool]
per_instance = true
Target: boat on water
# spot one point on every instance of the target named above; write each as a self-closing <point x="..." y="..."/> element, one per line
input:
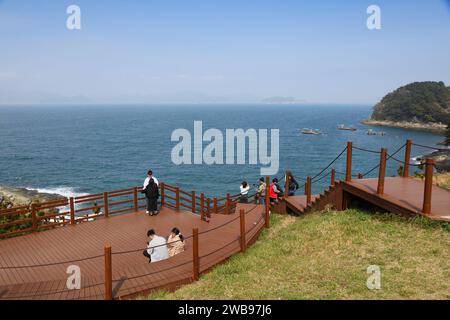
<point x="311" y="131"/>
<point x="343" y="127"/>
<point x="371" y="132"/>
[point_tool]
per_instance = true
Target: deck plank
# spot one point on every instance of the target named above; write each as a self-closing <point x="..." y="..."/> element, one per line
<point x="123" y="232"/>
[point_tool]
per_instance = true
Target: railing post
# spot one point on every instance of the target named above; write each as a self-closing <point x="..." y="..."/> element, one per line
<point x="135" y="199"/>
<point x="215" y="209"/>
<point x="333" y="177"/>
<point x="286" y="185"/>
<point x="195" y="255"/>
<point x="193" y="202"/>
<point x="382" y="171"/>
<point x="108" y="272"/>
<point x="267" y="203"/>
<point x="348" y="171"/>
<point x="407" y="158"/>
<point x="208" y="207"/>
<point x="162" y="193"/>
<point x="429" y="164"/>
<point x="242" y="238"/>
<point x="228" y="204"/>
<point x="72" y="210"/>
<point x="34" y="216"/>
<point x="308" y="194"/>
<point x="105" y="204"/>
<point x="177" y="198"/>
<point x="202" y="206"/>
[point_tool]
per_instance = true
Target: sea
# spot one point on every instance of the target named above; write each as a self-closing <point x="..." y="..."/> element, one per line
<point x="76" y="150"/>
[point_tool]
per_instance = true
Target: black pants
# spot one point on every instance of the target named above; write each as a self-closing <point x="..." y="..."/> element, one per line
<point x="147" y="255"/>
<point x="244" y="198"/>
<point x="152" y="204"/>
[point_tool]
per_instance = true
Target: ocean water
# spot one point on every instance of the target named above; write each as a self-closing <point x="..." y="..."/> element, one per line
<point x="73" y="150"/>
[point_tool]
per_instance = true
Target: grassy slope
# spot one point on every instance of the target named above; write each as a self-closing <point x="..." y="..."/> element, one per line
<point x="325" y="256"/>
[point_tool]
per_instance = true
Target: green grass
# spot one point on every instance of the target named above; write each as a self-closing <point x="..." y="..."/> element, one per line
<point x="326" y="255"/>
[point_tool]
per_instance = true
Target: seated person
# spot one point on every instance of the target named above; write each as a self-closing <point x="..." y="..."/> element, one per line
<point x="157" y="247"/>
<point x="175" y="243"/>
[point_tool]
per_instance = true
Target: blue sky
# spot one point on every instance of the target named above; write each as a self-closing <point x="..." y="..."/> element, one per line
<point x="223" y="50"/>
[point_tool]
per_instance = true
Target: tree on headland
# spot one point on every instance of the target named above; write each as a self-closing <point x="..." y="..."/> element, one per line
<point x="424" y="102"/>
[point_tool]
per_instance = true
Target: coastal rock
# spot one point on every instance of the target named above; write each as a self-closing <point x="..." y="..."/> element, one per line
<point x="441" y="159"/>
<point x="438" y="128"/>
<point x="10" y="197"/>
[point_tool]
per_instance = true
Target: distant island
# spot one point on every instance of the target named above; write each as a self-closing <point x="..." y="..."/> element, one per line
<point x="282" y="100"/>
<point x="418" y="105"/>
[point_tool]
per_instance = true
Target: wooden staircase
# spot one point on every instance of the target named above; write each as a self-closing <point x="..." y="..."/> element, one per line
<point x="297" y="205"/>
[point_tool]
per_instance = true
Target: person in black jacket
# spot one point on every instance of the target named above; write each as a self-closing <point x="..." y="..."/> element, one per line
<point x="293" y="185"/>
<point x="151" y="196"/>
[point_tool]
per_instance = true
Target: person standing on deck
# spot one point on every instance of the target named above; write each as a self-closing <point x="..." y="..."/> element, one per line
<point x="150" y="176"/>
<point x="293" y="185"/>
<point x="244" y="192"/>
<point x="157" y="247"/>
<point x="146" y="182"/>
<point x="151" y="196"/>
<point x="261" y="191"/>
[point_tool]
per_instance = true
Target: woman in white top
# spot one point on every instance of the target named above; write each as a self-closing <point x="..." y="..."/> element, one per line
<point x="244" y="192"/>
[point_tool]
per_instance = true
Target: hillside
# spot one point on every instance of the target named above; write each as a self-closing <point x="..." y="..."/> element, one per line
<point x="425" y="102"/>
<point x="326" y="255"/>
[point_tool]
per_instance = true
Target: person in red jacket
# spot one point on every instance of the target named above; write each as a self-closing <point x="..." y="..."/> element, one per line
<point x="274" y="191"/>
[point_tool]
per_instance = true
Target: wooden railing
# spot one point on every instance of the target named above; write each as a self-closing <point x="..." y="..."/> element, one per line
<point x="384" y="157"/>
<point x="71" y="211"/>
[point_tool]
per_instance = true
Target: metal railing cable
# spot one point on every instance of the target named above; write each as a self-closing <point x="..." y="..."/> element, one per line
<point x="47" y="293"/>
<point x="366" y="150"/>
<point x="428" y="147"/>
<point x="154" y="272"/>
<point x="329" y="165"/>
<point x="221" y="248"/>
<point x="389" y="157"/>
<point x="403" y="162"/>
<point x="186" y="238"/>
<point x="152" y="247"/>
<point x="323" y="177"/>
<point x="50" y="263"/>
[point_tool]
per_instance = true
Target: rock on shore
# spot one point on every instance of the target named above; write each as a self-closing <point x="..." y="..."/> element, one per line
<point x="438" y="128"/>
<point x="441" y="159"/>
<point x="10" y="197"/>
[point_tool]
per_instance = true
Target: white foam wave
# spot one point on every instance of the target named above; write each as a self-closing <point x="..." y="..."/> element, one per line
<point x="62" y="191"/>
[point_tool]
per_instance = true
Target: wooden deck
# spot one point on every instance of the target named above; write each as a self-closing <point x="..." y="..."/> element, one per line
<point x="82" y="245"/>
<point x="402" y="195"/>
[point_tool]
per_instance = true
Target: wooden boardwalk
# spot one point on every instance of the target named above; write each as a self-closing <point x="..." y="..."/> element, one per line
<point x="34" y="266"/>
<point x="402" y="195"/>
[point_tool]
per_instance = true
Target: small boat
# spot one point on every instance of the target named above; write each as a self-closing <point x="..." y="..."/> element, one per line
<point x="311" y="131"/>
<point x="371" y="132"/>
<point x="342" y="127"/>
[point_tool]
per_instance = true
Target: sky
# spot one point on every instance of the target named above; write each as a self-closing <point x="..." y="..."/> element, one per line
<point x="194" y="51"/>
